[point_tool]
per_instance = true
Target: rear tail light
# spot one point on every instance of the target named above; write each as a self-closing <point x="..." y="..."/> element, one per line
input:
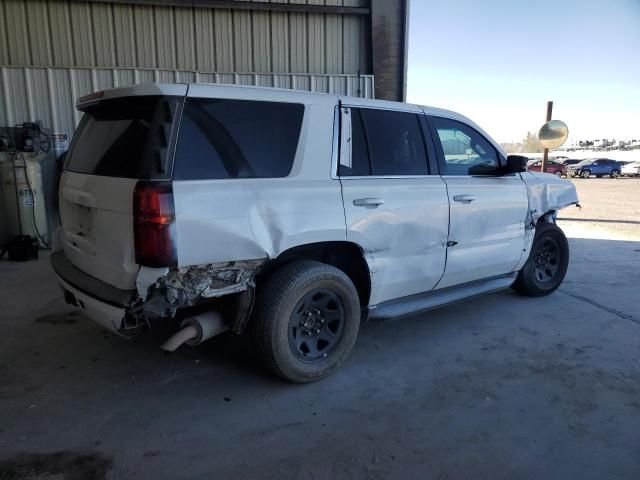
<point x="154" y="224"/>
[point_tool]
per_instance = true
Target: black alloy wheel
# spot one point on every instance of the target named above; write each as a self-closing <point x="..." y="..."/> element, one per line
<point x="306" y="320"/>
<point x="316" y="325"/>
<point x="547" y="264"/>
<point x="546" y="260"/>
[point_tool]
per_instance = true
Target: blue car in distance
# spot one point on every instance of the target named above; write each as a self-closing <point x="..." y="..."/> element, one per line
<point x="595" y="166"/>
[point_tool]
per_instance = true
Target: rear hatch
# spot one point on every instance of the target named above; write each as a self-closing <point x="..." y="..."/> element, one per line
<point x="125" y="135"/>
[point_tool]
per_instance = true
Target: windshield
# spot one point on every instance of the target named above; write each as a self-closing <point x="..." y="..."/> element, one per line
<point x="126" y="137"/>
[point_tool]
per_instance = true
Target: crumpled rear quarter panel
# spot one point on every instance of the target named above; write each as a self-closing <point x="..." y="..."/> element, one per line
<point x="257" y="218"/>
<point x="219" y="221"/>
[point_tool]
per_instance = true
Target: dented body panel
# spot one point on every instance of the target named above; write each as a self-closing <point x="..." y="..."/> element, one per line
<point x="210" y="281"/>
<point x="240" y="219"/>
<point x="405" y="239"/>
<point x="489" y="232"/>
<point x="547" y="192"/>
<point x="221" y="220"/>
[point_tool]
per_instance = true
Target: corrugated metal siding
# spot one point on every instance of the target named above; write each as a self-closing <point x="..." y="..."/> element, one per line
<point x="59" y="33"/>
<point x="48" y="94"/>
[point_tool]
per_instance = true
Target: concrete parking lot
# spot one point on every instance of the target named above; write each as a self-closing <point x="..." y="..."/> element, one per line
<point x="497" y="387"/>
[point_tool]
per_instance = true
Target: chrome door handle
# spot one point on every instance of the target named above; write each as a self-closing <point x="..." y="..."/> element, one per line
<point x="368" y="202"/>
<point x="463" y="198"/>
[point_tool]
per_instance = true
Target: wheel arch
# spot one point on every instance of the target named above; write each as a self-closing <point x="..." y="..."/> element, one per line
<point x="547" y="217"/>
<point x="346" y="256"/>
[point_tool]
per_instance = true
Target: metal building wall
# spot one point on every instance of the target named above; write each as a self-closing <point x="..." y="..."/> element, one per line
<point x="53" y="51"/>
<point x="48" y="94"/>
<point x="76" y="34"/>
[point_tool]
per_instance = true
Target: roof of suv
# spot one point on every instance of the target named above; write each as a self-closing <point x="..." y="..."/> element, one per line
<point x="181" y="89"/>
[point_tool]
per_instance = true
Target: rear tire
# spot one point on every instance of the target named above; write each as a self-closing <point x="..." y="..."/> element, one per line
<point x="547" y="264"/>
<point x="558" y="173"/>
<point x="306" y="320"/>
<point x="614" y="174"/>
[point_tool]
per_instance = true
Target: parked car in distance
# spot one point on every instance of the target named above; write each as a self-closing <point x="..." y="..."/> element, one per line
<point x="550" y="166"/>
<point x="570" y="161"/>
<point x="595" y="166"/>
<point x="292" y="217"/>
<point x="631" y="169"/>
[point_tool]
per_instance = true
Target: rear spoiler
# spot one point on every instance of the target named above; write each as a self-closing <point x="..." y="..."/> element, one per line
<point x="87" y="100"/>
<point x="163" y="89"/>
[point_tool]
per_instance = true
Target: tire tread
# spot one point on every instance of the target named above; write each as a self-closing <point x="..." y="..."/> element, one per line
<point x="270" y="299"/>
<point x="524" y="284"/>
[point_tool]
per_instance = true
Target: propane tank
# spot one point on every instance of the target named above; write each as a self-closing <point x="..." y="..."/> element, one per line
<point x="25" y="210"/>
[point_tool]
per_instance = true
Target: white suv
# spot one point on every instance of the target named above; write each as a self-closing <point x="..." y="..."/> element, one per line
<point x="197" y="209"/>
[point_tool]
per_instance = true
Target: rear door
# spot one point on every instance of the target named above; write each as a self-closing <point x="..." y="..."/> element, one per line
<point x="396" y="211"/>
<point x="487" y="218"/>
<point x="125" y="135"/>
<point x="609" y="166"/>
<point x="597" y="167"/>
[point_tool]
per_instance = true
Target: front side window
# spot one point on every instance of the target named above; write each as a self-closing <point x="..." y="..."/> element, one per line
<point x="385" y="143"/>
<point x="465" y="151"/>
<point x="222" y="138"/>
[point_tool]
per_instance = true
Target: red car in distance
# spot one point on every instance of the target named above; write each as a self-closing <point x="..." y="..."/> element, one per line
<point x="550" y="167"/>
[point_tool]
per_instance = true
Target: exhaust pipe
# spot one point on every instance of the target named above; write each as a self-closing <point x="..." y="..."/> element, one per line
<point x="195" y="330"/>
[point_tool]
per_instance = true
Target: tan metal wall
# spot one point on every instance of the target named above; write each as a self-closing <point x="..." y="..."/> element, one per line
<point x="53" y="51"/>
<point x="49" y="94"/>
<point x="59" y="33"/>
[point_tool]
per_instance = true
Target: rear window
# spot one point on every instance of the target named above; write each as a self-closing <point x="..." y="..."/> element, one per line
<point x="222" y="138"/>
<point x="127" y="137"/>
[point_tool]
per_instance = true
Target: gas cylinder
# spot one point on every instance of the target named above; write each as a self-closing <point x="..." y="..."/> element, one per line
<point x="25" y="210"/>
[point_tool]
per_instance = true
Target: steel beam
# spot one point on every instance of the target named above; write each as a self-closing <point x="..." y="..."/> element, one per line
<point x="236" y="5"/>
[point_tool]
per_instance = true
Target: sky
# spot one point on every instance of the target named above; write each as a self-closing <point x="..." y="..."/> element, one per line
<point x="498" y="62"/>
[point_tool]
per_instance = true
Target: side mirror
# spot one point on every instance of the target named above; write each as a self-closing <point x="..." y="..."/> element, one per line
<point x="515" y="164"/>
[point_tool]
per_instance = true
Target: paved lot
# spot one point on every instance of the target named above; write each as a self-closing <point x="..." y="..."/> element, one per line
<point x="610" y="209"/>
<point x="497" y="387"/>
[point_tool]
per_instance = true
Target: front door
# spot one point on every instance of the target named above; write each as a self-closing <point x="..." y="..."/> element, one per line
<point x="395" y="210"/>
<point x="487" y="211"/>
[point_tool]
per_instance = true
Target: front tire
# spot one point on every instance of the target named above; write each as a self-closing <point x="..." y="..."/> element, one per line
<point x="307" y="318"/>
<point x="585" y="173"/>
<point x="558" y="173"/>
<point x="548" y="262"/>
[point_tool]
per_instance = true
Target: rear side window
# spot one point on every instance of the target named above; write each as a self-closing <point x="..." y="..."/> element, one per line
<point x="360" y="165"/>
<point x="385" y="143"/>
<point x="128" y="137"/>
<point x="222" y="138"/>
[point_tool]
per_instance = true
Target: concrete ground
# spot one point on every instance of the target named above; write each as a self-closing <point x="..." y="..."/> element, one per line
<point x="497" y="387"/>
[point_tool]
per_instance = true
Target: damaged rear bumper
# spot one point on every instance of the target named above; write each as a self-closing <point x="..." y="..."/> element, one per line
<point x="103" y="303"/>
<point x="106" y="315"/>
<point x="227" y="287"/>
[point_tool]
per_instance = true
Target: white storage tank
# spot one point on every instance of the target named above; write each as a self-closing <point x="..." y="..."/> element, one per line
<point x="23" y="198"/>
